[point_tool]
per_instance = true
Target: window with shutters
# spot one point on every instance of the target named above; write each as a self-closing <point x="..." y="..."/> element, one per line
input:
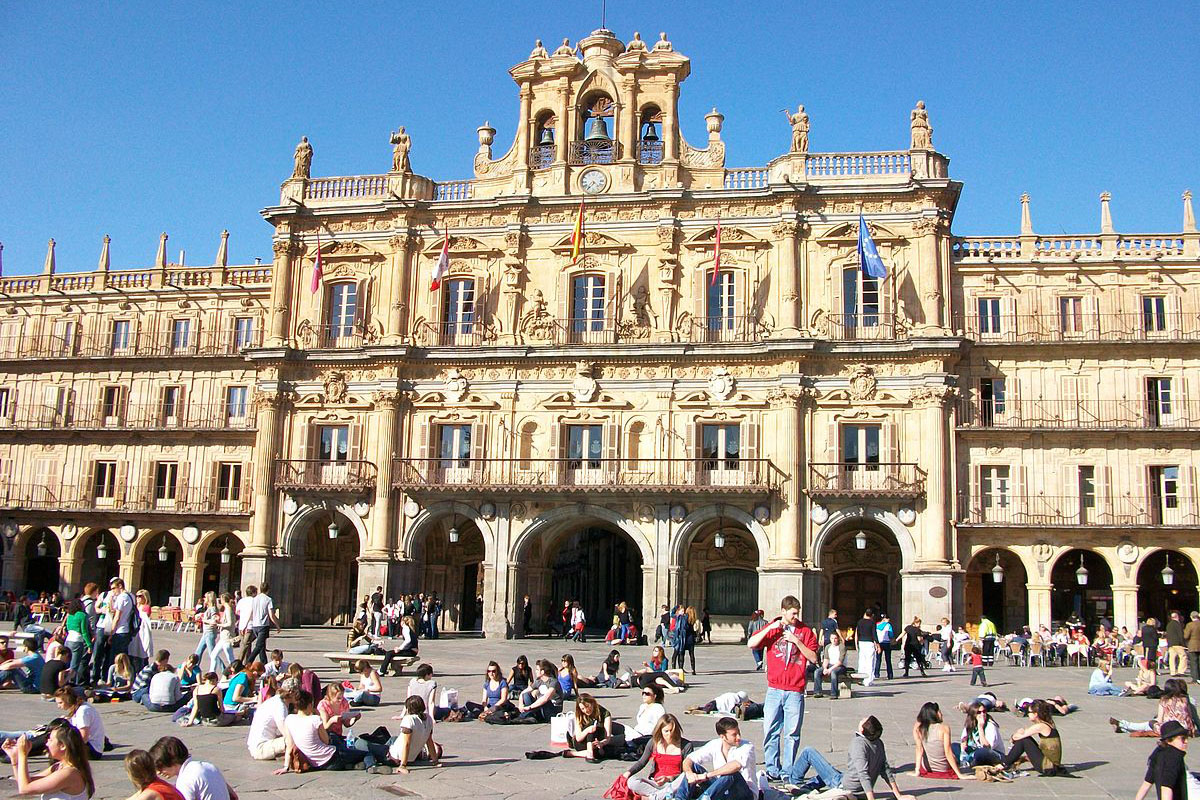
<point x="333" y="443"/>
<point x="120" y="339"/>
<point x="860" y="447"/>
<point x="1070" y="316"/>
<point x="235" y="403"/>
<point x="989" y="316"/>
<point x="454" y="452"/>
<point x="170" y="410"/>
<point x="56" y="409"/>
<point x="991" y="401"/>
<point x="6" y="406"/>
<point x="1164" y="495"/>
<point x="229" y="482"/>
<point x="112" y="403"/>
<point x="1158" y="402"/>
<point x="860" y="300"/>
<point x="721" y="454"/>
<point x="343" y="311"/>
<point x="1086" y="486"/>
<point x="585" y="449"/>
<point x="181" y="335"/>
<point x="104" y="480"/>
<point x="995" y="492"/>
<point x="1154" y="314"/>
<point x="458" y="311"/>
<point x="243" y="332"/>
<point x="62" y="342"/>
<point x="720" y="308"/>
<point x="166" y="482"/>
<point x="587" y="308"/>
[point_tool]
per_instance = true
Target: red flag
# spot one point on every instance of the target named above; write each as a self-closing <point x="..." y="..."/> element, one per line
<point x="443" y="264"/>
<point x="317" y="273"/>
<point x="577" y="235"/>
<point x="716" y="254"/>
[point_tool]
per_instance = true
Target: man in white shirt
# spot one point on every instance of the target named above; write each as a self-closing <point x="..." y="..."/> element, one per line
<point x="725" y="767"/>
<point x="262" y="619"/>
<point x="165" y="692"/>
<point x="195" y="780"/>
<point x="242" y="611"/>
<point x="119" y="619"/>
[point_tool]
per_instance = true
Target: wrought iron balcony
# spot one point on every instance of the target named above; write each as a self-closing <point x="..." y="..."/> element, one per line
<point x="1081" y="327"/>
<point x="1006" y="509"/>
<point x="598" y="151"/>
<point x="649" y="153"/>
<point x="850" y="480"/>
<point x="870" y="327"/>
<point x="143" y="498"/>
<point x="189" y="417"/>
<point x="590" y="475"/>
<point x="725" y="329"/>
<point x="348" y="476"/>
<point x="449" y="334"/>
<point x="1072" y="415"/>
<point x="127" y="345"/>
<point x="541" y="156"/>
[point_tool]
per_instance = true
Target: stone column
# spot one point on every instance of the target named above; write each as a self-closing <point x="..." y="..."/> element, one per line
<point x="671" y="124"/>
<point x="929" y="273"/>
<point x="380" y="543"/>
<point x="127" y="568"/>
<point x="189" y="582"/>
<point x="1039" y="604"/>
<point x="565" y="127"/>
<point x="281" y="290"/>
<point x="791" y="314"/>
<point x="785" y="432"/>
<point x="266" y="404"/>
<point x="1125" y="606"/>
<point x="397" y="280"/>
<point x="628" y="137"/>
<point x="501" y="587"/>
<point x="651" y="600"/>
<point x="525" y="129"/>
<point x="932" y="404"/>
<point x="677" y="590"/>
<point x="67" y="572"/>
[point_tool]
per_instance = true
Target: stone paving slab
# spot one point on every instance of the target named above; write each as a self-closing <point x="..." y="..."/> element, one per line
<point x="486" y="761"/>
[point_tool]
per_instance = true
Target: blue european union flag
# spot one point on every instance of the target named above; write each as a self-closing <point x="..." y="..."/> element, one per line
<point x="868" y="256"/>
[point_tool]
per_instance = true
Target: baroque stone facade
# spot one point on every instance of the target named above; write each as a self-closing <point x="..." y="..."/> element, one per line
<point x="624" y="425"/>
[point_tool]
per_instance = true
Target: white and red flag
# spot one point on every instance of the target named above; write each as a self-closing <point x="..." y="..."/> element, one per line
<point x="317" y="272"/>
<point x="716" y="254"/>
<point x="443" y="264"/>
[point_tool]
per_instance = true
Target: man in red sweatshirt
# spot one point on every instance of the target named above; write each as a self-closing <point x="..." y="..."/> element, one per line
<point x="790" y="646"/>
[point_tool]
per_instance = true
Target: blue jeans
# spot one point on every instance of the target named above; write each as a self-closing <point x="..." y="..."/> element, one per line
<point x="758" y="658"/>
<point x="19" y="679"/>
<point x="356" y="697"/>
<point x="207" y="642"/>
<point x="783" y="715"/>
<point x="811" y="759"/>
<point x="726" y="787"/>
<point x="1104" y="690"/>
<point x="79" y="661"/>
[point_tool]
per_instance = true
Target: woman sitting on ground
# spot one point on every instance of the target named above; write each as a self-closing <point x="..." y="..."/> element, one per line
<point x="495" y="695"/>
<point x="934" y="756"/>
<point x="1172" y="705"/>
<point x="335" y="711"/>
<point x="69" y="776"/>
<point x="655" y="673"/>
<point x="189" y="673"/>
<point x="648" y="714"/>
<point x="1147" y="676"/>
<point x="569" y="680"/>
<point x="520" y="677"/>
<point x="414" y="744"/>
<point x="308" y="740"/>
<point x="981" y="744"/>
<point x="667" y="748"/>
<point x="546" y="699"/>
<point x="120" y="676"/>
<point x="206" y="704"/>
<point x="591" y="735"/>
<point x="609" y="676"/>
<point x="1039" y="742"/>
<point x="139" y="766"/>
<point x="1100" y="684"/>
<point x="239" y="693"/>
<point x="85" y="718"/>
<point x="370" y="687"/>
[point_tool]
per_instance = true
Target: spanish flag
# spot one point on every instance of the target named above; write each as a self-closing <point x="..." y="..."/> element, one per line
<point x="577" y="235"/>
<point x="443" y="264"/>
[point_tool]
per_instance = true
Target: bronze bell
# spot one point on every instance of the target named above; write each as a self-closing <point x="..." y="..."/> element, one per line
<point x="547" y="136"/>
<point x="650" y="134"/>
<point x="597" y="131"/>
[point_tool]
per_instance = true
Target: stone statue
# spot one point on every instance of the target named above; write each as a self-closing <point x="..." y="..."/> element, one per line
<point x="401" y="144"/>
<point x="637" y="45"/>
<point x="539" y="51"/>
<point x="565" y="49"/>
<point x="922" y="133"/>
<point x="662" y="43"/>
<point x="799" y="122"/>
<point x="302" y="159"/>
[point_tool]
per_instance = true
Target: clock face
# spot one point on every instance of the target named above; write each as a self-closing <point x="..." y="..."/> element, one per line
<point x="593" y="181"/>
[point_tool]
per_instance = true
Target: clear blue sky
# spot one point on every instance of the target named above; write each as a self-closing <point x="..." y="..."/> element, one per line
<point x="137" y="117"/>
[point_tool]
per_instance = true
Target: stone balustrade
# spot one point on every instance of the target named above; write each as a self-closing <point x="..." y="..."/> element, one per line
<point x="174" y="276"/>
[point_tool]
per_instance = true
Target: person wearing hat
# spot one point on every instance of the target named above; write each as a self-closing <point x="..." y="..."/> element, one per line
<point x="1165" y="771"/>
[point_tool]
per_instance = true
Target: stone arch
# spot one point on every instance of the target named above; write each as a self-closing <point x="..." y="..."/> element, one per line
<point x="1022" y="554"/>
<point x="298" y="524"/>
<point x="420" y="525"/>
<point x="554" y="521"/>
<point x="686" y="531"/>
<point x="137" y="548"/>
<point x="842" y="518"/>
<point x="1103" y="553"/>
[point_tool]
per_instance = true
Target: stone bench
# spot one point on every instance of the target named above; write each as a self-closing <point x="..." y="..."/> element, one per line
<point x="350" y="660"/>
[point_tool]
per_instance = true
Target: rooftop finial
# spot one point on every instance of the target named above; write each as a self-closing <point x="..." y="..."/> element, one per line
<point x="1189" y="218"/>
<point x="160" y="258"/>
<point x="1026" y="220"/>
<point x="922" y="131"/>
<point x="48" y="268"/>
<point x="1106" y="225"/>
<point x="104" y="262"/>
<point x="223" y="251"/>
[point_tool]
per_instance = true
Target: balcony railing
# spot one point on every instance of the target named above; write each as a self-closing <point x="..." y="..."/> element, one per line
<point x="854" y="480"/>
<point x="1134" y="414"/>
<point x="649" y="153"/>
<point x="1074" y="247"/>
<point x="588" y="475"/>
<point x="145" y="498"/>
<point x="195" y="416"/>
<point x="351" y="476"/>
<point x="334" y="337"/>
<point x="725" y="329"/>
<point x="140" y="345"/>
<point x="862" y="327"/>
<point x="449" y="334"/>
<point x="541" y="155"/>
<point x="1035" y="510"/>
<point x="1082" y="327"/>
<point x="599" y="151"/>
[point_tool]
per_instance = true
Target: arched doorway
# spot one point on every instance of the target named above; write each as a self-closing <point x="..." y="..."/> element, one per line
<point x="99" y="558"/>
<point x="862" y="568"/>
<point x="453" y="554"/>
<point x="599" y="567"/>
<point x="329" y="554"/>
<point x="1087" y="595"/>
<point x="1005" y="601"/>
<point x="222" y="565"/>
<point x="42" y="551"/>
<point x="724" y="578"/>
<point x="161" y="559"/>
<point x="1156" y="597"/>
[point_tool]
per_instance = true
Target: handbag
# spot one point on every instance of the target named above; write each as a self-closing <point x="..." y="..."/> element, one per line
<point x="619" y="790"/>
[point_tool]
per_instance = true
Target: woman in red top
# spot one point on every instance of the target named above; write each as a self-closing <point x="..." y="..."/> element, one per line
<point x="667" y="749"/>
<point x="139" y="766"/>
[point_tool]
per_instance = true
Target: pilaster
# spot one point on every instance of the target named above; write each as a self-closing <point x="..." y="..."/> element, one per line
<point x="1039" y="604"/>
<point x="285" y="250"/>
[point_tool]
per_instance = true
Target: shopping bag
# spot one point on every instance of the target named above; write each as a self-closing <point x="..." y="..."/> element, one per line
<point x="449" y="698"/>
<point x="560" y="724"/>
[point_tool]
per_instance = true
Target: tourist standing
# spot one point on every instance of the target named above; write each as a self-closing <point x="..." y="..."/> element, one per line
<point x="914" y="646"/>
<point x="756" y="624"/>
<point x="242" y="611"/>
<point x="790" y="646"/>
<point x="1176" y="647"/>
<point x="829" y="626"/>
<point x="868" y="647"/>
<point x="376" y="610"/>
<point x="262" y="619"/>
<point x="526" y="616"/>
<point x="210" y="618"/>
<point x="884" y="634"/>
<point x="1191" y="635"/>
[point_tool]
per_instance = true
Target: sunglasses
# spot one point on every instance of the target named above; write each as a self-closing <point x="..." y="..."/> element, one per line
<point x="647" y="694"/>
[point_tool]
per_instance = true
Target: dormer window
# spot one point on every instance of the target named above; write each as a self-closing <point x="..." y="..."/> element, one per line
<point x="596" y="145"/>
<point x="650" y="143"/>
<point x="541" y="155"/>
